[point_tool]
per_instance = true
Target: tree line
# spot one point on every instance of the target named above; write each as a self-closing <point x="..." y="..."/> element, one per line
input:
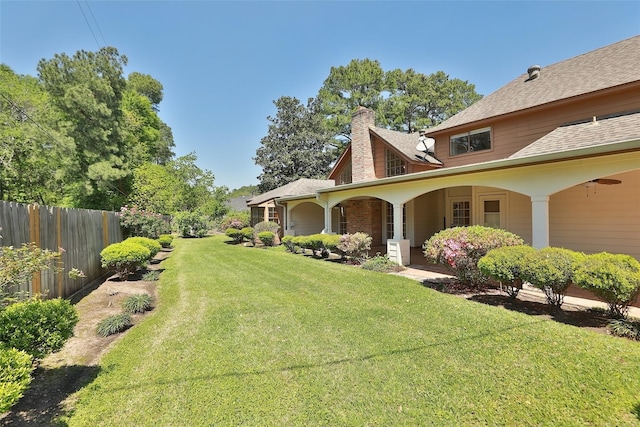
<point x="303" y="141"/>
<point x="81" y="134"/>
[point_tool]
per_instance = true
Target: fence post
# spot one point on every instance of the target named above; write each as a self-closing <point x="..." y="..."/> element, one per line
<point x="105" y="229"/>
<point x="34" y="236"/>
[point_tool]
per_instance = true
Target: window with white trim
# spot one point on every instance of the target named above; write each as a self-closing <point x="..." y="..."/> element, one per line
<point x="470" y="142"/>
<point x="394" y="164"/>
<point x="460" y="213"/>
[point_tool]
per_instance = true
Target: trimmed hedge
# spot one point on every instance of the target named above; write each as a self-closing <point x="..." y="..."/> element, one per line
<point x="267" y="237"/>
<point x="37" y="327"/>
<point x="234" y="234"/>
<point x="505" y="265"/>
<point x="15" y="376"/>
<point x="124" y="258"/>
<point x="615" y="278"/>
<point x="165" y="240"/>
<point x="153" y="245"/>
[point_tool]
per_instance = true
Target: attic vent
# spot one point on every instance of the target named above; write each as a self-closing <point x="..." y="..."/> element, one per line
<point x="534" y="72"/>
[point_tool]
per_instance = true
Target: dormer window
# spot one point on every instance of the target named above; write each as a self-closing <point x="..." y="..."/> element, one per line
<point x="469" y="142"/>
<point x="395" y="165"/>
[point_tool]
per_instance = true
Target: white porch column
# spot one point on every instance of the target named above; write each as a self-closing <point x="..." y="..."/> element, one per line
<point x="327" y="219"/>
<point x="398" y="249"/>
<point x="540" y="221"/>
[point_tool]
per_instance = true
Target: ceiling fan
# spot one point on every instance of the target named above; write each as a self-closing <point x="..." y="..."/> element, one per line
<point x="606" y="181"/>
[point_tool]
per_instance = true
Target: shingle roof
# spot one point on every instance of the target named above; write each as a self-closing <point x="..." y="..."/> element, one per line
<point x="607" y="67"/>
<point x="405" y="143"/>
<point x="301" y="187"/>
<point x="582" y="135"/>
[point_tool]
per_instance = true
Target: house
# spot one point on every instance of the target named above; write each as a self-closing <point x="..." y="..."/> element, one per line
<point x="553" y="156"/>
<point x="265" y="207"/>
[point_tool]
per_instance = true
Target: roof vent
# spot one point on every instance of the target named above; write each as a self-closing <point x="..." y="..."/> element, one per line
<point x="534" y="72"/>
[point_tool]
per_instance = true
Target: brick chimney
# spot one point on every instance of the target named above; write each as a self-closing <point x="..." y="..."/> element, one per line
<point x="362" y="167"/>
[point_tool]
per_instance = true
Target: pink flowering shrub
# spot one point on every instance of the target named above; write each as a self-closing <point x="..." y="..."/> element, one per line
<point x="460" y="249"/>
<point x="141" y="223"/>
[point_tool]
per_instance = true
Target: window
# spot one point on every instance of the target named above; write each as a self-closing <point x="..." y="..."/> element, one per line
<point x="257" y="215"/>
<point x="273" y="215"/>
<point x="345" y="175"/>
<point x="468" y="142"/>
<point x="395" y="165"/>
<point x="460" y="213"/>
<point x="492" y="213"/>
<point x="343" y="220"/>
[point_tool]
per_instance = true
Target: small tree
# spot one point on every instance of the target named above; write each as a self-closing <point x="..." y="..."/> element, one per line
<point x="613" y="277"/>
<point x="190" y="224"/>
<point x="235" y="234"/>
<point x="551" y="270"/>
<point x="505" y="265"/>
<point x="248" y="233"/>
<point x="460" y="249"/>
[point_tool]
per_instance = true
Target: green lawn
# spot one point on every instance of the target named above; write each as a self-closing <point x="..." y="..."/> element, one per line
<point x="246" y="336"/>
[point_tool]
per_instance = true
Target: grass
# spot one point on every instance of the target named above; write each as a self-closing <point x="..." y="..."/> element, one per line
<point x="242" y="336"/>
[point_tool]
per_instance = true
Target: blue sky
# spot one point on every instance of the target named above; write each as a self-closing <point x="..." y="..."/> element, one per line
<point x="222" y="64"/>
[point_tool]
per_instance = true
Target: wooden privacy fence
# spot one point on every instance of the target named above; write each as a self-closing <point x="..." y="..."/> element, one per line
<point x="81" y="233"/>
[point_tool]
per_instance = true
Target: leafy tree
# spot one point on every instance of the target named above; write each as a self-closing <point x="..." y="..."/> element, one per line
<point x="147" y="86"/>
<point x="417" y="101"/>
<point x="29" y="129"/>
<point x="156" y="189"/>
<point x="245" y="190"/>
<point x="361" y="83"/>
<point x="87" y="88"/>
<point x="296" y="146"/>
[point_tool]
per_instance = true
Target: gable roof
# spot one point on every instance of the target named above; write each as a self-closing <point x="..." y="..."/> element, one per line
<point x="300" y="187"/>
<point x="604" y="68"/>
<point x="582" y="135"/>
<point x="405" y="143"/>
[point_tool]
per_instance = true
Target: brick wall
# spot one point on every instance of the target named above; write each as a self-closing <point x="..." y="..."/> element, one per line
<point x="361" y="149"/>
<point x="365" y="216"/>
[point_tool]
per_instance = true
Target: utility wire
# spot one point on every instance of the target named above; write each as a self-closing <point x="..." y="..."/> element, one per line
<point x="96" y="22"/>
<point x="88" y="24"/>
<point x="22" y="111"/>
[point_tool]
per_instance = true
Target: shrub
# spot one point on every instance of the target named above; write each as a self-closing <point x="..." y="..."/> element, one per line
<point x="124" y="258"/>
<point x="15" y="376"/>
<point x="460" y="249"/>
<point x="248" y="233"/>
<point x="190" y="224"/>
<point x="355" y="245"/>
<point x="165" y="240"/>
<point x="330" y="243"/>
<point x="37" y="327"/>
<point x="551" y="270"/>
<point x="267" y="226"/>
<point x="151" y="276"/>
<point x="288" y="242"/>
<point x="625" y="328"/>
<point x="237" y="220"/>
<point x="505" y="265"/>
<point x="138" y="222"/>
<point x="114" y="324"/>
<point x="138" y="303"/>
<point x="615" y="278"/>
<point x="234" y="234"/>
<point x="153" y="245"/>
<point x="381" y="263"/>
<point x="267" y="238"/>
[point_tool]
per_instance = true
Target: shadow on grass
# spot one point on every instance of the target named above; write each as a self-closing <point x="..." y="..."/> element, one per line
<point x="579" y="318"/>
<point x="347" y="360"/>
<point x="42" y="403"/>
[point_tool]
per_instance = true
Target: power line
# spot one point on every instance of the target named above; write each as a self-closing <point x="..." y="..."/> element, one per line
<point x="23" y="112"/>
<point x="88" y="24"/>
<point x="96" y="22"/>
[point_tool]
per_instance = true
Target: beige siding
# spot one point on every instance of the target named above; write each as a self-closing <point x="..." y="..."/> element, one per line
<point x="428" y="215"/>
<point x="601" y="218"/>
<point x="309" y="219"/>
<point x="513" y="134"/>
<point x="520" y="216"/>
